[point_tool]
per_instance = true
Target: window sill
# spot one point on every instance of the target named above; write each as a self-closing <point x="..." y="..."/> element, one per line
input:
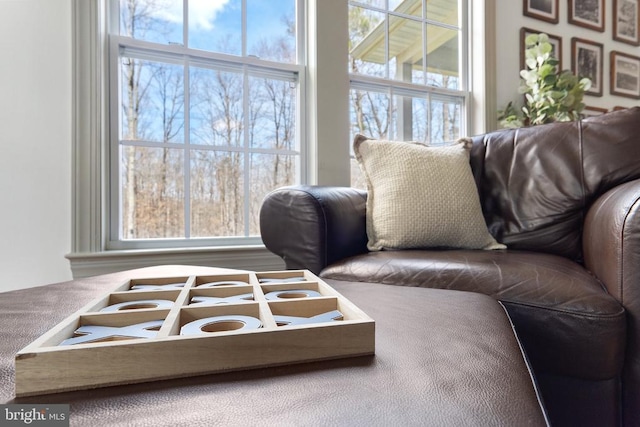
<point x="256" y="258"/>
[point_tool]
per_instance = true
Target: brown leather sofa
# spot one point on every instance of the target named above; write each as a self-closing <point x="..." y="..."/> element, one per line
<point x="564" y="198"/>
<point x="408" y="382"/>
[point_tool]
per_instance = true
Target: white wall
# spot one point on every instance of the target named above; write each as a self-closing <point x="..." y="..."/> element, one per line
<point x="35" y="142"/>
<point x="510" y="19"/>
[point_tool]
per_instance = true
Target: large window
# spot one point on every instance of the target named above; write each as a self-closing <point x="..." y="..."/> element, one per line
<point x="186" y="112"/>
<point x="407" y="69"/>
<point x="205" y="117"/>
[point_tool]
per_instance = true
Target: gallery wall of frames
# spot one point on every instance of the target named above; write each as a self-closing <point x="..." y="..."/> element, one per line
<point x="599" y="39"/>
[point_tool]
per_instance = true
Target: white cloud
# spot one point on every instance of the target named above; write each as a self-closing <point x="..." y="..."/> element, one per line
<point x="202" y="13"/>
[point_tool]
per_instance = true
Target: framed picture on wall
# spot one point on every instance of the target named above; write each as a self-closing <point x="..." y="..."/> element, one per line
<point x="555" y="41"/>
<point x="592" y="111"/>
<point x="587" y="13"/>
<point x="625" y="75"/>
<point x="545" y="10"/>
<point x="626" y="21"/>
<point x="586" y="61"/>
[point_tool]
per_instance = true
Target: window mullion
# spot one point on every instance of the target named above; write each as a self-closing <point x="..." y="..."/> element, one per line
<point x="185" y="23"/>
<point x="387" y="25"/>
<point x="425" y="59"/>
<point x="114" y="231"/>
<point x="247" y="154"/>
<point x="363" y="82"/>
<point x="187" y="150"/>
<point x="244" y="28"/>
<point x="176" y="54"/>
<point x="392" y="129"/>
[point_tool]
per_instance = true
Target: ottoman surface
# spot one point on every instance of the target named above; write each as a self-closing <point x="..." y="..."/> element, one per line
<point x="442" y="358"/>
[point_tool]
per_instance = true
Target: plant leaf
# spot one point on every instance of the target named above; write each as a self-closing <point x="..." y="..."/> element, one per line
<point x="531" y="39"/>
<point x="550" y="94"/>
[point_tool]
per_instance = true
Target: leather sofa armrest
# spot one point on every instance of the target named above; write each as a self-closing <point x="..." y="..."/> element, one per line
<point x="310" y="227"/>
<point x="611" y="242"/>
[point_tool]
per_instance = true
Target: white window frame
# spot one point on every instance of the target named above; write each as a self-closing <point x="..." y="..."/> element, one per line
<point x="326" y="130"/>
<point x="185" y="57"/>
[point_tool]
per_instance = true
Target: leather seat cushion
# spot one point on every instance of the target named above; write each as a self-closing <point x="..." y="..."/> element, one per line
<point x="442" y="365"/>
<point x="568" y="324"/>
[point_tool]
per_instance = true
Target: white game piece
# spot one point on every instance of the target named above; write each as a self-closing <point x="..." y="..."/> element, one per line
<point x="223" y="283"/>
<point x="92" y="333"/>
<point x="329" y="316"/>
<point x="196" y="327"/>
<point x="292" y="293"/>
<point x="202" y="300"/>
<point x="134" y="305"/>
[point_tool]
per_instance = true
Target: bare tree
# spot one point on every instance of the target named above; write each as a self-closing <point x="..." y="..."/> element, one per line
<point x="272" y="106"/>
<point x="136" y="21"/>
<point x="219" y="103"/>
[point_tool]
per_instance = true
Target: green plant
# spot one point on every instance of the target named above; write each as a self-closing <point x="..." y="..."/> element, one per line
<point x="550" y="95"/>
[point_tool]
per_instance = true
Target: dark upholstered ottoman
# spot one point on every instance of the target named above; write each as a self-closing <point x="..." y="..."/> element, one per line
<point x="442" y="358"/>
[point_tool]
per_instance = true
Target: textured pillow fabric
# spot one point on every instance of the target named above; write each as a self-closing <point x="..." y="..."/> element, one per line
<point x="421" y="196"/>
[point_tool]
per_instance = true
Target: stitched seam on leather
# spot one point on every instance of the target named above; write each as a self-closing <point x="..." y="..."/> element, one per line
<point x="612" y="316"/>
<point x="527" y="364"/>
<point x="582" y="187"/>
<point x="581" y="152"/>
<point x="622" y="233"/>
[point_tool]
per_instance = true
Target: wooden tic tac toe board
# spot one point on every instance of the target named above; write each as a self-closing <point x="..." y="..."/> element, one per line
<point x="169" y="327"/>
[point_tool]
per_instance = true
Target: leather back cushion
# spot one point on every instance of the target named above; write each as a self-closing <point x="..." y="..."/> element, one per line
<point x="537" y="183"/>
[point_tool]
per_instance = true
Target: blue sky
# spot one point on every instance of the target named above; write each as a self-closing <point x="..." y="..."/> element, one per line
<point x="213" y="20"/>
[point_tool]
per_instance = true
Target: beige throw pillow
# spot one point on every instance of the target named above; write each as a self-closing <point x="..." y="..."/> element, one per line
<point x="421" y="196"/>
